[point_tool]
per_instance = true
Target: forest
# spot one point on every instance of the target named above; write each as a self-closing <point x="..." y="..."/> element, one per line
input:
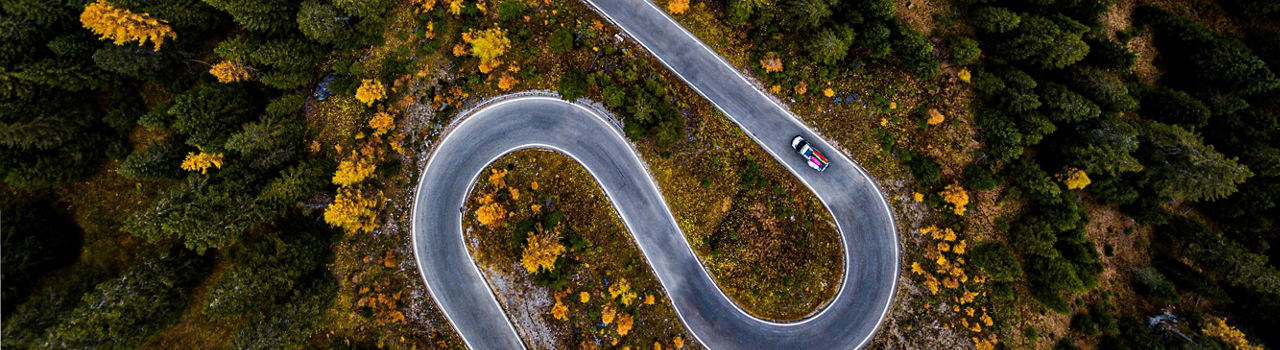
<point x="234" y="173"/>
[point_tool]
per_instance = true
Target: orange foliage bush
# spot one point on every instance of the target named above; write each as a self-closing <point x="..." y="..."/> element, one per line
<point x="624" y="323"/>
<point x="677" y="6"/>
<point x="958" y="198"/>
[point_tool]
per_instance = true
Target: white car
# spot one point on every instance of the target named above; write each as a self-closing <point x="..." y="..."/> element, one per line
<point x="810" y="154"/>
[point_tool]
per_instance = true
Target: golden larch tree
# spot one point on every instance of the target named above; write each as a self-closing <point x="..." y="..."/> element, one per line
<point x="352" y="211"/>
<point x="381" y="123"/>
<point x="771" y="62"/>
<point x="624" y="323"/>
<point x="1074" y="178"/>
<point x="608" y="314"/>
<point x="559" y="310"/>
<point x="488" y="44"/>
<point x="1218" y="328"/>
<point x="230" y="71"/>
<point x="121" y="25"/>
<point x="202" y="161"/>
<point x="541" y="251"/>
<point x="353" y="171"/>
<point x="935" y="117"/>
<point x="506" y="82"/>
<point x="958" y="198"/>
<point x="490" y="213"/>
<point x="370" y="91"/>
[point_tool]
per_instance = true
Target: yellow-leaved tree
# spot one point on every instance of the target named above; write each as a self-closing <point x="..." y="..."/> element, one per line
<point x="541" y="251"/>
<point x="958" y="198"/>
<point x="230" y="71"/>
<point x="370" y="91"/>
<point x="506" y="82"/>
<point x="352" y="211"/>
<point x="1074" y="178"/>
<point x="121" y="25"/>
<point x="490" y="212"/>
<point x="489" y="44"/>
<point x="559" y="310"/>
<point x="607" y="314"/>
<point x="1217" y="327"/>
<point x="677" y="6"/>
<point x="935" y="117"/>
<point x="771" y="62"/>
<point x="202" y="161"/>
<point x="351" y="172"/>
<point x="424" y="5"/>
<point x="381" y="123"/>
<point x="624" y="323"/>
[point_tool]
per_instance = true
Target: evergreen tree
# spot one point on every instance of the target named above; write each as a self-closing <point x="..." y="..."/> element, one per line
<point x="997" y="261"/>
<point x="1179" y="165"/>
<point x="994" y="19"/>
<point x="830" y="45"/>
<point x="1046" y="43"/>
<point x="1105" y="148"/>
<point x="126" y="311"/>
<point x="1173" y="107"/>
<point x="271" y="16"/>
<point x="322" y="23"/>
<point x="208" y="112"/>
<point x="1105" y="89"/>
<point x="158" y="161"/>
<point x="267" y="271"/>
<point x="1065" y="106"/>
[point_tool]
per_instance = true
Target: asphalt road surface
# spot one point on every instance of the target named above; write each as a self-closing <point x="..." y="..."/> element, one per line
<point x="862" y="216"/>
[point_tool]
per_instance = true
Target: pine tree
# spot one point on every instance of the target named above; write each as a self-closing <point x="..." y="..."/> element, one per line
<point x="1045" y="43"/>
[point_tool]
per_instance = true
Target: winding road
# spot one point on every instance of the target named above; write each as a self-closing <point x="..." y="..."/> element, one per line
<point x="862" y="216"/>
